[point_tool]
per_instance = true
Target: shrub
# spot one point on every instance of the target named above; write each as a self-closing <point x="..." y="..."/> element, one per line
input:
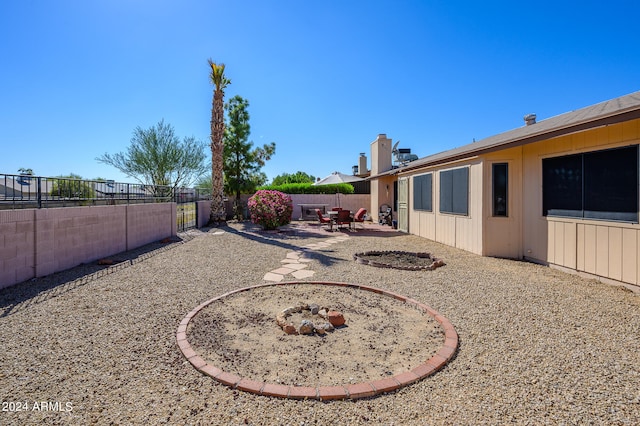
<point x="309" y="188"/>
<point x="270" y="209"/>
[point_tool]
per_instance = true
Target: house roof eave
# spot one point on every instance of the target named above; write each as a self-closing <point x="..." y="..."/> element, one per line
<point x="598" y="115"/>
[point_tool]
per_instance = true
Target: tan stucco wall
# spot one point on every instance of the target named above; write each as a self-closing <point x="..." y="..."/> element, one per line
<point x="381" y="154"/>
<point x="381" y="193"/>
<point x="464" y="232"/>
<point x="502" y="236"/>
<point x="604" y="249"/>
<point x="609" y="250"/>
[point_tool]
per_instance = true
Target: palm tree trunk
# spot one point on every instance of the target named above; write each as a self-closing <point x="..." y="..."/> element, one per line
<point x="218" y="211"/>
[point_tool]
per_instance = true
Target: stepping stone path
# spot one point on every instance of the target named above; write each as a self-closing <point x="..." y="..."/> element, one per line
<point x="296" y="262"/>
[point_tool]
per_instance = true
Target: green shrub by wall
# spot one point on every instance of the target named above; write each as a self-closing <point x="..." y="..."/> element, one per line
<point x="309" y="188"/>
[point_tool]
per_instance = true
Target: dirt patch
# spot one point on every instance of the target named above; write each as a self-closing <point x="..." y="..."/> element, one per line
<point x="399" y="260"/>
<point x="382" y="336"/>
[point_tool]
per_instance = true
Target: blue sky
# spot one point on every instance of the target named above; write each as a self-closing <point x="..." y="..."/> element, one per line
<point x="323" y="78"/>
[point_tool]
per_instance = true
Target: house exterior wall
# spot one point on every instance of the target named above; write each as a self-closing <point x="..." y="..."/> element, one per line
<point x="502" y="236"/>
<point x="464" y="232"/>
<point x="600" y="248"/>
<point x="39" y="242"/>
<point x="381" y="193"/>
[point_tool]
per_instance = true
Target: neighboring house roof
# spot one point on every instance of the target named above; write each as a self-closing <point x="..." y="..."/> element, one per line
<point x="8" y="191"/>
<point x="609" y="112"/>
<point x="111" y="188"/>
<point x="19" y="186"/>
<point x="337" y="177"/>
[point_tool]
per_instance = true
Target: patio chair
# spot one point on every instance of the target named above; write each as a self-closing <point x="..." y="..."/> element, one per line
<point x="324" y="220"/>
<point x="385" y="216"/>
<point x="344" y="218"/>
<point x="359" y="217"/>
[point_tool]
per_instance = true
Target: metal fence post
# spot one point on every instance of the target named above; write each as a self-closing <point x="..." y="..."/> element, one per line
<point x="39" y="195"/>
<point x="197" y="217"/>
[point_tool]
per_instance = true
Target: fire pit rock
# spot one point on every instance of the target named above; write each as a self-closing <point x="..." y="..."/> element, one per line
<point x="410" y="261"/>
<point x="326" y="319"/>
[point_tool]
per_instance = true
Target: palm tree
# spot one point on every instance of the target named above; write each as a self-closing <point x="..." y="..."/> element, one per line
<point x="218" y="212"/>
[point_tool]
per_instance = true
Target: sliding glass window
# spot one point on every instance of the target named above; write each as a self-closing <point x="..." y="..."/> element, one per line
<point x="592" y="185"/>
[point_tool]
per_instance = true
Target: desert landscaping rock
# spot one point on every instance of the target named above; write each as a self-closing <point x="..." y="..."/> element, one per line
<point x="336" y="318"/>
<point x="537" y="346"/>
<point x="283" y="319"/>
<point x="306" y="327"/>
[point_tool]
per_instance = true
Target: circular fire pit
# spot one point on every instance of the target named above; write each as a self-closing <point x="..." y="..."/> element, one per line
<point x="409" y="261"/>
<point x="383" y="341"/>
<point x="316" y="319"/>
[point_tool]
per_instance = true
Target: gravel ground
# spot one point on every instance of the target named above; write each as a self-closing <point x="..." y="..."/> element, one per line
<point x="537" y="346"/>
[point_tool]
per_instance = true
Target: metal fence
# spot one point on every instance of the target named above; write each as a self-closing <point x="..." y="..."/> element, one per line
<point x="28" y="192"/>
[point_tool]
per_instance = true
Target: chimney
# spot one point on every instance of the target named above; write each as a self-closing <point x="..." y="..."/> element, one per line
<point x="381" y="154"/>
<point x="530" y="119"/>
<point x="362" y="164"/>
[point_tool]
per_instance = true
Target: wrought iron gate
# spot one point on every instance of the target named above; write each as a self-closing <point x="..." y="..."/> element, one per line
<point x="186" y="214"/>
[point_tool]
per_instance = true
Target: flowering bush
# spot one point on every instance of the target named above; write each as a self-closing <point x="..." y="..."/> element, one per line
<point x="270" y="209"/>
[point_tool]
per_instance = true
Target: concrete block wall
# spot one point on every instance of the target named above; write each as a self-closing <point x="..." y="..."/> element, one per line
<point x="67" y="237"/>
<point x="351" y="202"/>
<point x="204" y="212"/>
<point x="17" y="246"/>
<point x="150" y="222"/>
<point x="39" y="242"/>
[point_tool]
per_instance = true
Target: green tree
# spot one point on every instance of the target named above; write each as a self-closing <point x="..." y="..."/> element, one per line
<point x="72" y="186"/>
<point x="204" y="183"/>
<point x="157" y="157"/>
<point x="242" y="162"/>
<point x="297" y="177"/>
<point x="220" y="81"/>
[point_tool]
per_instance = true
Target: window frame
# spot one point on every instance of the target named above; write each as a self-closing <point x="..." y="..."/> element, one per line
<point x="452" y="200"/>
<point x="494" y="201"/>
<point x="420" y="184"/>
<point x="584" y="189"/>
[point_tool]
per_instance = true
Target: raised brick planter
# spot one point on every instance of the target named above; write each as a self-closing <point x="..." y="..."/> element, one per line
<point x="324" y="393"/>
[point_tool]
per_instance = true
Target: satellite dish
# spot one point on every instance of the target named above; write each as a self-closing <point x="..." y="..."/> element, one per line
<point x="395" y="148"/>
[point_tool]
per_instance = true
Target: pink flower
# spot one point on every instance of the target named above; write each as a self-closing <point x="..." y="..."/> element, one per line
<point x="270" y="209"/>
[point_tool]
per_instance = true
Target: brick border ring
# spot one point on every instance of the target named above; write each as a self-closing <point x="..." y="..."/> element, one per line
<point x="436" y="263"/>
<point x="324" y="393"/>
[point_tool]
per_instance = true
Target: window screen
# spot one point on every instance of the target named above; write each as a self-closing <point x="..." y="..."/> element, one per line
<point x="422" y="192"/>
<point x="595" y="185"/>
<point x="454" y="191"/>
<point x="500" y="174"/>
